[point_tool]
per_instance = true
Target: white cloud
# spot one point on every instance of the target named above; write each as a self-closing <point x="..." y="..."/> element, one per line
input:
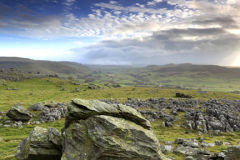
<point x="79" y="43"/>
<point x="131" y="9"/>
<point x="154" y="2"/>
<point x="117" y="12"/>
<point x="69" y="2"/>
<point x="113" y="2"/>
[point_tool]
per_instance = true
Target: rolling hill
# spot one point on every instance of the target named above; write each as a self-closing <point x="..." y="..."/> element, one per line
<point x="44" y="67"/>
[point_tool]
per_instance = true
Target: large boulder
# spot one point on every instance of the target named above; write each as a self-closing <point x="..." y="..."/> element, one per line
<point x="83" y="109"/>
<point x="96" y="130"/>
<point x="107" y="137"/>
<point x="41" y="144"/>
<point x="37" y="107"/>
<point x="19" y="113"/>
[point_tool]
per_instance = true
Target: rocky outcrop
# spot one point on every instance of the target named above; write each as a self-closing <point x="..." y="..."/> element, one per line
<point x="109" y="131"/>
<point x="41" y="144"/>
<point x="94" y="130"/>
<point x="19" y="113"/>
<point x="109" y="137"/>
<point x="83" y="109"/>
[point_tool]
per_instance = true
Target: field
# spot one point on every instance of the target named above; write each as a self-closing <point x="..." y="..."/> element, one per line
<point x="48" y="89"/>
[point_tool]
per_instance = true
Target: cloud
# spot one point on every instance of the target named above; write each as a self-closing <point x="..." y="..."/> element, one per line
<point x="154" y="2"/>
<point x="22" y="18"/>
<point x="225" y="22"/>
<point x="191" y="31"/>
<point x="207" y="46"/>
<point x="113" y="2"/>
<point x="141" y="9"/>
<point x="69" y="2"/>
<point x="79" y="43"/>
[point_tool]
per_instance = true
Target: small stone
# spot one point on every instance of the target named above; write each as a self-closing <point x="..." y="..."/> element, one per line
<point x="169" y="148"/>
<point x="6" y="125"/>
<point x="217" y="143"/>
<point x="8" y="121"/>
<point x="189" y="158"/>
<point x="201" y="140"/>
<point x="1" y="139"/>
<point x="171" y="157"/>
<point x="211" y="144"/>
<point x="225" y="143"/>
<point x="18" y="122"/>
<point x="168" y="142"/>
<point x="14" y="125"/>
<point x="163" y="124"/>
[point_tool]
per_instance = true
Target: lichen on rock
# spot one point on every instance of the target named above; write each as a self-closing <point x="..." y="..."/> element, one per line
<point x="41" y="144"/>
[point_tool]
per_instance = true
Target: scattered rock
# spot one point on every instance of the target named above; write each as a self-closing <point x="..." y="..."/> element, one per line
<point x="187" y="142"/>
<point x="189" y="151"/>
<point x="217" y="143"/>
<point x="37" y="107"/>
<point x="6" y="125"/>
<point x="189" y="158"/>
<point x="19" y="113"/>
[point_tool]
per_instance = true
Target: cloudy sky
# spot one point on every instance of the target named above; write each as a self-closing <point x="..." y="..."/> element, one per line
<point x="121" y="32"/>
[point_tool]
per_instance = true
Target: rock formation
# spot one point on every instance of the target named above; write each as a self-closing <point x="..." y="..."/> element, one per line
<point x="95" y="130"/>
<point x="19" y="113"/>
<point x="41" y="144"/>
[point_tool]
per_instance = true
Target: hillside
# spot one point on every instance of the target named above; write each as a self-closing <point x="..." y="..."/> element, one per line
<point x="44" y="67"/>
<point x="207" y="77"/>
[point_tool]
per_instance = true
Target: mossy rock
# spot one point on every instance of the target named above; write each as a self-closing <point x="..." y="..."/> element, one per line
<point x="83" y="109"/>
<point x="19" y="113"/>
<point x="108" y="137"/>
<point x="41" y="144"/>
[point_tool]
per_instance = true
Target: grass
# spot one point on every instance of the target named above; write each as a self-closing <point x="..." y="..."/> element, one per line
<point x="46" y="90"/>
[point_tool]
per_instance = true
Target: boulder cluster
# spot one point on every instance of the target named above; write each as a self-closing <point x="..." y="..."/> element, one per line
<point x="217" y="115"/>
<point x="94" y="130"/>
<point x="112" y="130"/>
<point x="16" y="75"/>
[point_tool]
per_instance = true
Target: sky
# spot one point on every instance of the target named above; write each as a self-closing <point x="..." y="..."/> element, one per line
<point x="122" y="32"/>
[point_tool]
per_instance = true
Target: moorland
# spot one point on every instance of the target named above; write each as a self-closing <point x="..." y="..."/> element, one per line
<point x="202" y="82"/>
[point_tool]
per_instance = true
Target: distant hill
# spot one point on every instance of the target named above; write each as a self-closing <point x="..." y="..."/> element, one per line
<point x="195" y="70"/>
<point x="44" y="67"/>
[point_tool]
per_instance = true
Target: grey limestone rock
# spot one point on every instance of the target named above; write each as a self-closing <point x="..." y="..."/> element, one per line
<point x="109" y="131"/>
<point x="19" y="113"/>
<point x="109" y="138"/>
<point x="187" y="142"/>
<point x="189" y="151"/>
<point x="41" y="144"/>
<point x="37" y="107"/>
